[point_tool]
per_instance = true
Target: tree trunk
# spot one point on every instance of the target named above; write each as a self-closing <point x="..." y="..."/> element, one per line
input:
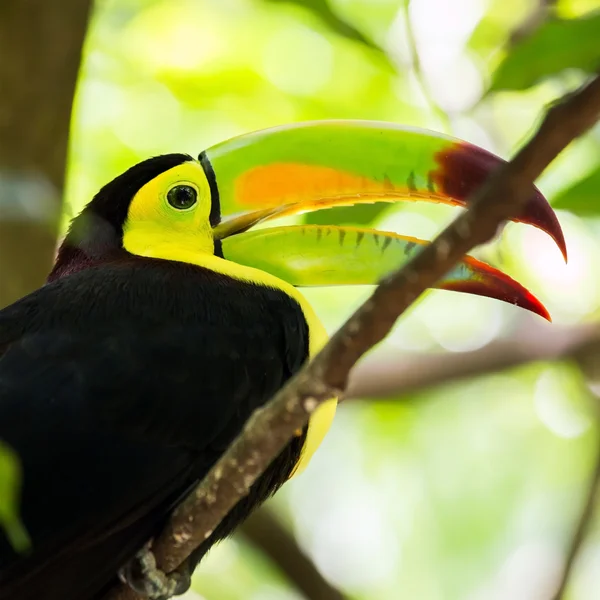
<point x="40" y="51"/>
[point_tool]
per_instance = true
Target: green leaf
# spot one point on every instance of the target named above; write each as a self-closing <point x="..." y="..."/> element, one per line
<point x="322" y="10"/>
<point x="557" y="45"/>
<point x="583" y="198"/>
<point x="10" y="491"/>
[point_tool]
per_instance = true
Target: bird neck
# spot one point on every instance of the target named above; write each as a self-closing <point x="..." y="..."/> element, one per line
<point x="90" y="241"/>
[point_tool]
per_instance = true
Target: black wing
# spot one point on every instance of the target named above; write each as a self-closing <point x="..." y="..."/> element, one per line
<point x="119" y="388"/>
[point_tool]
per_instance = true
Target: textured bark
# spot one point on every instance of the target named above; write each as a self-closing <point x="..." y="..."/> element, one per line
<point x="40" y="51"/>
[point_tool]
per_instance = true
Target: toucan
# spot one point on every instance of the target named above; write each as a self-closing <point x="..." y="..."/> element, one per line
<point x="173" y="311"/>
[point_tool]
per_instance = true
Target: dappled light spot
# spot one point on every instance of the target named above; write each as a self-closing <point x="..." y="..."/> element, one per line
<point x="150" y="117"/>
<point x="584" y="583"/>
<point x="298" y="60"/>
<point x="554" y="406"/>
<point x="530" y="572"/>
<point x="408" y="221"/>
<point x="181" y="36"/>
<point x="569" y="290"/>
<point x="349" y="535"/>
<point x="461" y="322"/>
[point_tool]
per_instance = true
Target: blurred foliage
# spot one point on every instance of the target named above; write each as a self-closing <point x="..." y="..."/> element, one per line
<point x="10" y="488"/>
<point x="558" y="44"/>
<point x="332" y="20"/>
<point x="468" y="492"/>
<point x="583" y="198"/>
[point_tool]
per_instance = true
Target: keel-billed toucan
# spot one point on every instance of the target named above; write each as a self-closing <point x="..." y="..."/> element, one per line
<point x="169" y="317"/>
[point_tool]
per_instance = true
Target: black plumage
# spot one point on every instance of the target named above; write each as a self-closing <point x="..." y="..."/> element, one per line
<point x="121" y="382"/>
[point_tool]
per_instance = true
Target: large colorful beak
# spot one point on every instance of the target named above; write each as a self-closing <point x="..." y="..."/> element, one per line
<point x="321" y="164"/>
<point x="315" y="255"/>
<point x="316" y="165"/>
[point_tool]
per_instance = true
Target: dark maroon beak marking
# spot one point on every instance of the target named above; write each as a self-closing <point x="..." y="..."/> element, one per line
<point x="464" y="167"/>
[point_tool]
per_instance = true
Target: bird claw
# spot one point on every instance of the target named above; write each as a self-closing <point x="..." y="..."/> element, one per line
<point x="143" y="576"/>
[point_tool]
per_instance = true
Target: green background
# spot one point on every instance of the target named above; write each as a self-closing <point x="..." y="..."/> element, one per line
<point x="468" y="492"/>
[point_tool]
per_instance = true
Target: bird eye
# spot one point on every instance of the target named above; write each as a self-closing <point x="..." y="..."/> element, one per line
<point x="182" y="197"/>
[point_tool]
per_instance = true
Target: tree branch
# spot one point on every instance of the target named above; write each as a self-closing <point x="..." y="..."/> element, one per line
<point x="265" y="531"/>
<point x="581" y="528"/>
<point x="269" y="429"/>
<point x="542" y="12"/>
<point x="391" y="375"/>
<point x="417" y="68"/>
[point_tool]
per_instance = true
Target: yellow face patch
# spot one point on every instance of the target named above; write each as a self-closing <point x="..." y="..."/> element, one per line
<point x="156" y="221"/>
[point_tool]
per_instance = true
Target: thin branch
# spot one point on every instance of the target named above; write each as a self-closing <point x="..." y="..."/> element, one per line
<point x="392" y="375"/>
<point x="417" y="68"/>
<point x="269" y="429"/>
<point x="582" y="526"/>
<point x="265" y="531"/>
<point x="322" y="10"/>
<point x="542" y="12"/>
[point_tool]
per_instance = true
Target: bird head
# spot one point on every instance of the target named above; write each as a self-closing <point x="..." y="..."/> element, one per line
<point x="223" y="203"/>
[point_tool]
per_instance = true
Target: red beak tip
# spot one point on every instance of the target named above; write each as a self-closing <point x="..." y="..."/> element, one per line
<point x="500" y="287"/>
<point x="564" y="253"/>
<point x="525" y="299"/>
<point x="539" y="309"/>
<point x="562" y="245"/>
<point x="539" y="213"/>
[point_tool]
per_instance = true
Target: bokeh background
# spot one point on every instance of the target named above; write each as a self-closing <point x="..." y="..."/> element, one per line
<point x="468" y="491"/>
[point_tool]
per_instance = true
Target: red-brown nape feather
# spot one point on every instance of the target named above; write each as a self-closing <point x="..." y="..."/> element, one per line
<point x="96" y="235"/>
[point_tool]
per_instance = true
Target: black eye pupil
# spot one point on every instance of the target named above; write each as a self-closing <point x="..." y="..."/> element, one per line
<point x="182" y="196"/>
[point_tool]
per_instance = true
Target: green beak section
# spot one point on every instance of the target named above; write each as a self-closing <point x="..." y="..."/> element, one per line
<point x="315" y="165"/>
<point x="313" y="255"/>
